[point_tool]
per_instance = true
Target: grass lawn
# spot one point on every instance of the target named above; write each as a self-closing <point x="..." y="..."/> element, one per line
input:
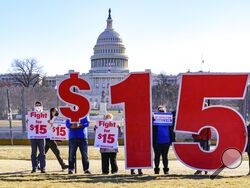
<point x="180" y="175"/>
<point x="23" y="153"/>
<point x="15" y="123"/>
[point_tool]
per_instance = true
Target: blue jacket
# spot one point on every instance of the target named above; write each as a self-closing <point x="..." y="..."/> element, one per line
<point x="79" y="132"/>
<point x="163" y="134"/>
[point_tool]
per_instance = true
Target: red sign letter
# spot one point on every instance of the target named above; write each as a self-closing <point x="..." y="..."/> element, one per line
<point x="66" y="94"/>
<point x="192" y="117"/>
<point x="135" y="93"/>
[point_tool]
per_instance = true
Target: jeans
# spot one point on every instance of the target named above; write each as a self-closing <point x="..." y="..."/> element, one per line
<point x="51" y="144"/>
<point x="82" y="143"/>
<point x="40" y="143"/>
<point x="161" y="149"/>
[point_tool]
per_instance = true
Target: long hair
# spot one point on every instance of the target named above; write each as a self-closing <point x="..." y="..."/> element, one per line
<point x="51" y="110"/>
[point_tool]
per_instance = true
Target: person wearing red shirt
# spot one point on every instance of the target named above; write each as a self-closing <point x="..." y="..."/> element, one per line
<point x="203" y="138"/>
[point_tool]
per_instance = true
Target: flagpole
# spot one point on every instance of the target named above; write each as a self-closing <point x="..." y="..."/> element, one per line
<point x="202" y="61"/>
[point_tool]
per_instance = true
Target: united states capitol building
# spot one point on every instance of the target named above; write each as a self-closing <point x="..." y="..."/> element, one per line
<point x="109" y="66"/>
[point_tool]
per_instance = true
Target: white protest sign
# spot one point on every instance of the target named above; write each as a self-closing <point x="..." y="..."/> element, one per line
<point x="38" y="125"/>
<point x="106" y="134"/>
<point x="163" y="119"/>
<point x="59" y="131"/>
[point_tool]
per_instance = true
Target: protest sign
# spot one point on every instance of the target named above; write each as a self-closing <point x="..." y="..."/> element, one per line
<point x="58" y="130"/>
<point x="165" y="119"/>
<point x="106" y="134"/>
<point x="38" y="125"/>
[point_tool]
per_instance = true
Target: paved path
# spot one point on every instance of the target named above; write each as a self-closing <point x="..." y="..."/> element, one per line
<point x="52" y="167"/>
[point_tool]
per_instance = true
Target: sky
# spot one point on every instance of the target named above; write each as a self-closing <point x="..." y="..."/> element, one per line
<point x="166" y="36"/>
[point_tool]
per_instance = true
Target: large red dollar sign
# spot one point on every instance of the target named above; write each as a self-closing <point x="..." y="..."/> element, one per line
<point x="65" y="94"/>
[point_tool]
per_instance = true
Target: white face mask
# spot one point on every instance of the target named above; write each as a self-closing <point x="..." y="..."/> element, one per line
<point x="38" y="108"/>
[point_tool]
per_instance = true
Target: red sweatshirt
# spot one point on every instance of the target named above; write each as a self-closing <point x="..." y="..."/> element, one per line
<point x="203" y="135"/>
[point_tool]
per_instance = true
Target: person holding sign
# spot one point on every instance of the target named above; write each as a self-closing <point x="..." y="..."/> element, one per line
<point x="106" y="139"/>
<point x="203" y="138"/>
<point x="162" y="137"/>
<point x="36" y="126"/>
<point x="51" y="144"/>
<point x="78" y="137"/>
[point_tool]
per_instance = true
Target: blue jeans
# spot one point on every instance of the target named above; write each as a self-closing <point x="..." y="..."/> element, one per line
<point x="40" y="143"/>
<point x="82" y="143"/>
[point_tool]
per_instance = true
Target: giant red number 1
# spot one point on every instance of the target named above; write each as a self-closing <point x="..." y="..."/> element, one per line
<point x="135" y="93"/>
<point x="192" y="117"/>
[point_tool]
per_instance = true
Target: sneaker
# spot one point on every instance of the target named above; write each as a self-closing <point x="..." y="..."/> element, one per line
<point x="140" y="172"/>
<point x="43" y="171"/>
<point x="33" y="171"/>
<point x="132" y="172"/>
<point x="198" y="172"/>
<point x="105" y="173"/>
<point x="65" y="167"/>
<point x="70" y="172"/>
<point x="165" y="170"/>
<point x="87" y="172"/>
<point x="157" y="170"/>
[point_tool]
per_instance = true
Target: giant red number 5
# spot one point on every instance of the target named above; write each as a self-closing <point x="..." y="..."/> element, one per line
<point x="192" y="117"/>
<point x="135" y="93"/>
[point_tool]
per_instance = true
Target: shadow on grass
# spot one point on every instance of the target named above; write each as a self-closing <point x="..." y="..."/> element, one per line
<point x="23" y="176"/>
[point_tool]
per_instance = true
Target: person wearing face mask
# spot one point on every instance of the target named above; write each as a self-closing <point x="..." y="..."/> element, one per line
<point x="51" y="144"/>
<point x="37" y="143"/>
<point x="162" y="138"/>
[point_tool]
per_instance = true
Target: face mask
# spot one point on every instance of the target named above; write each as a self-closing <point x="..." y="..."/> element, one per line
<point x="161" y="110"/>
<point x="38" y="108"/>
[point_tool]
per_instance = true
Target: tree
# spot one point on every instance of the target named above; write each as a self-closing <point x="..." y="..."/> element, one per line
<point x="26" y="72"/>
<point x="164" y="93"/>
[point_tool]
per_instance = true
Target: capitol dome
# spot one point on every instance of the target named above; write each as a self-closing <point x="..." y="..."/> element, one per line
<point x="109" y="52"/>
<point x="109" y="36"/>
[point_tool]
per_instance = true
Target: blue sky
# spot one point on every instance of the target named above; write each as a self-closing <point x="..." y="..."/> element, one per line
<point x="168" y="36"/>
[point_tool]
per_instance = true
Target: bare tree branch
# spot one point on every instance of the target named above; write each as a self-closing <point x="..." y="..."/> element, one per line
<point x="26" y="72"/>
